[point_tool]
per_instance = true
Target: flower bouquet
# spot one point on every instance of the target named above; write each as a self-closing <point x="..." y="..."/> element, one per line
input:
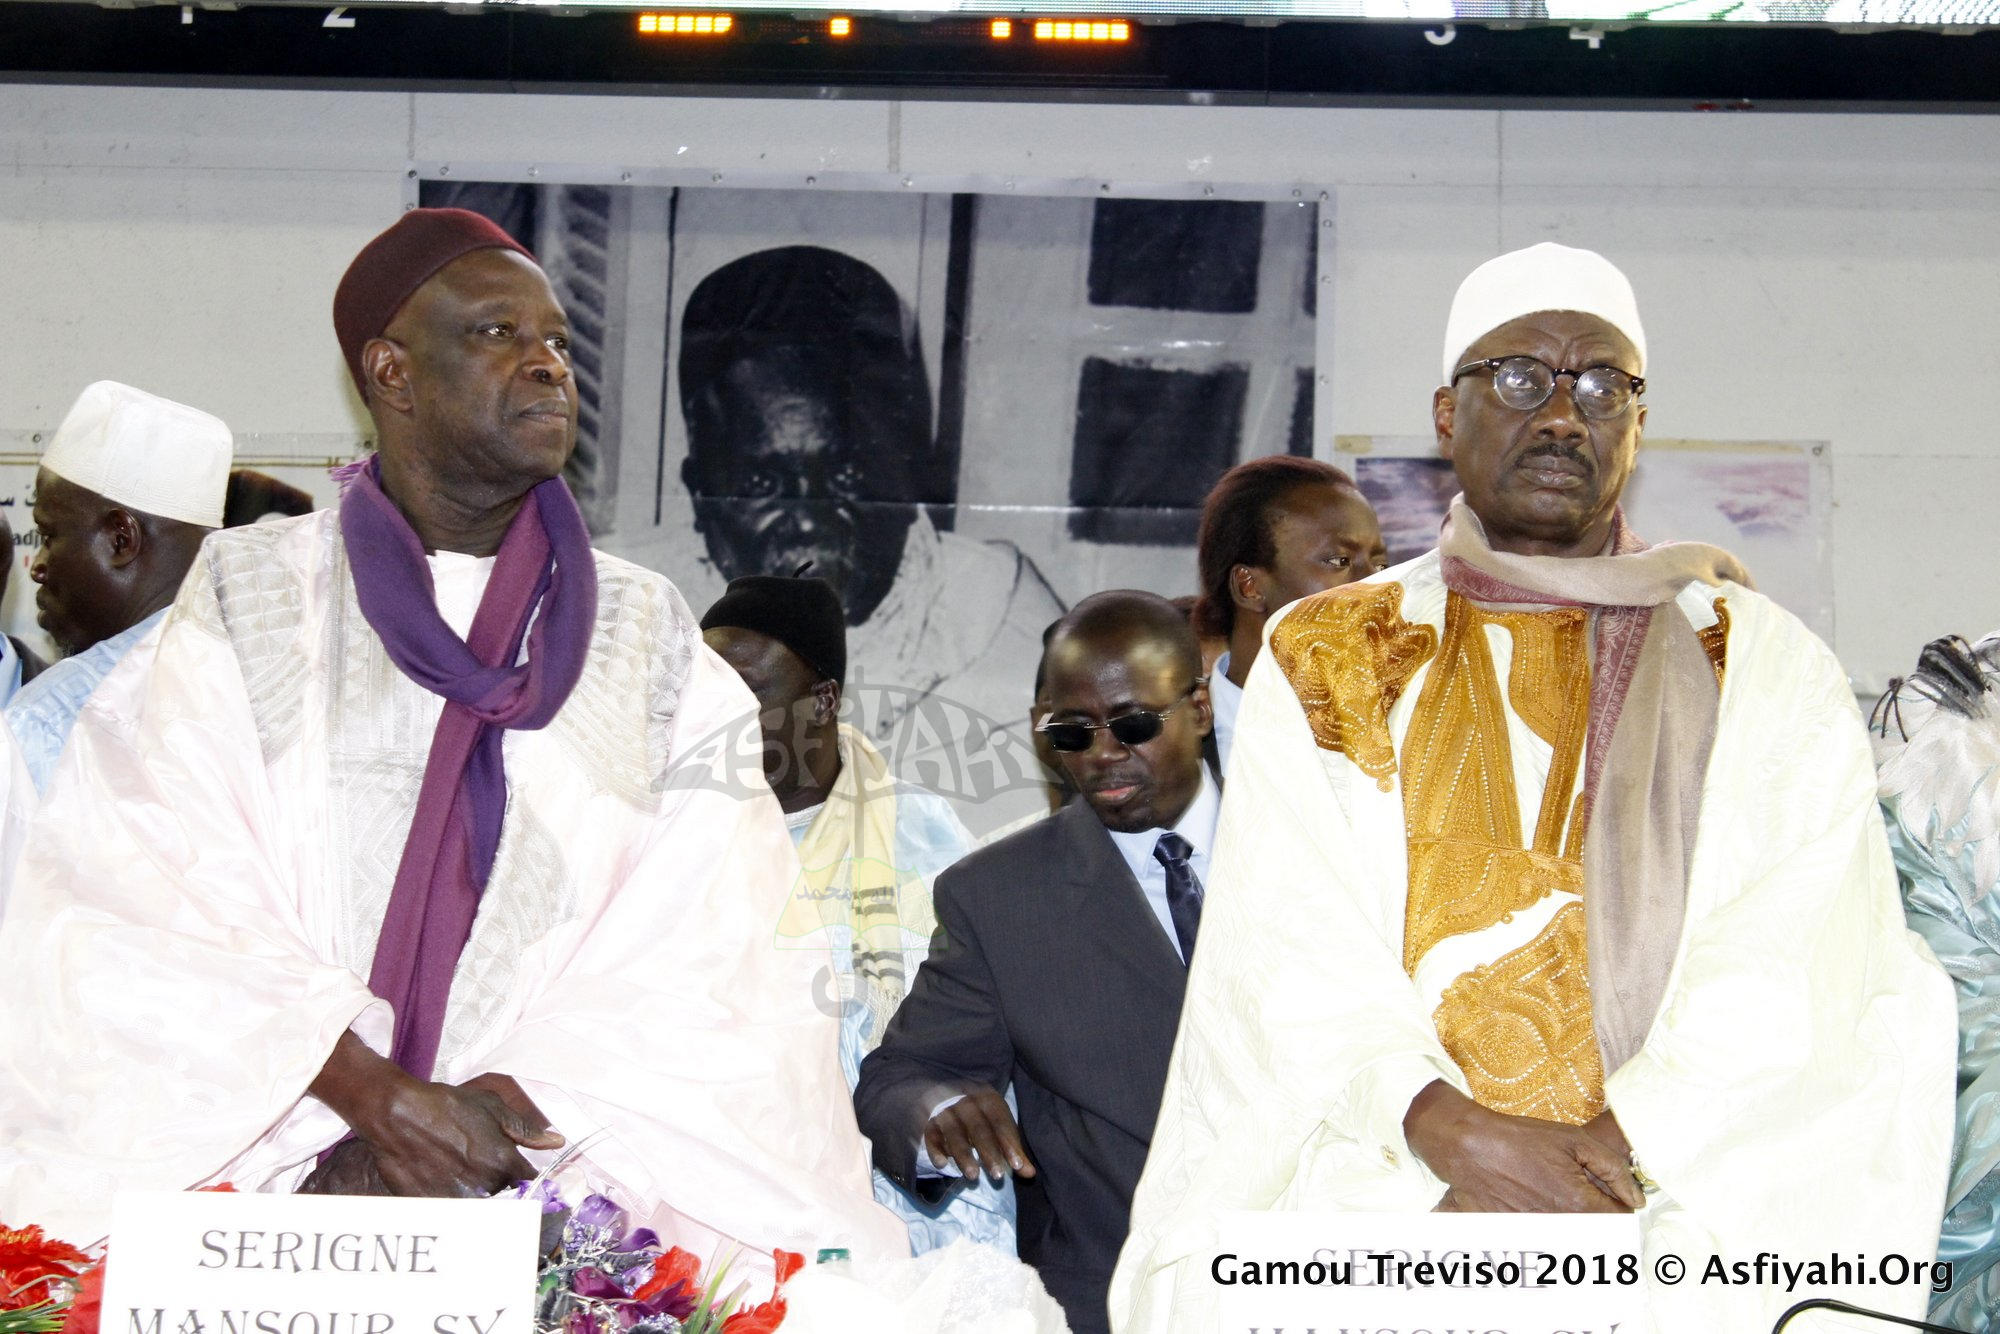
<point x="39" y="1280"/>
<point x="600" y="1276"/>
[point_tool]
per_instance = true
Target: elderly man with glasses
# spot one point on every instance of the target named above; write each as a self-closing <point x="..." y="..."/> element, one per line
<point x="1551" y="880"/>
<point x="1060" y="959"/>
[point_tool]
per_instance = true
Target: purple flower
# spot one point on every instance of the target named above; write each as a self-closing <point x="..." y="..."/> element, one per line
<point x="595" y="1283"/>
<point x="582" y="1322"/>
<point x="596" y="1224"/>
<point x="676" y="1303"/>
<point x="543" y="1191"/>
<point x="598" y="1211"/>
<point x="641" y="1239"/>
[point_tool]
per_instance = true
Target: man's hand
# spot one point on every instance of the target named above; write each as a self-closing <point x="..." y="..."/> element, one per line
<point x="978" y="1131"/>
<point x="1612" y="1135"/>
<point x="348" y="1170"/>
<point x="1495" y="1163"/>
<point x="432" y="1139"/>
<point x="438" y="1139"/>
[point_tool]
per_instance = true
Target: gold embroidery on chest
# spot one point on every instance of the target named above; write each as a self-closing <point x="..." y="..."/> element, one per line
<point x="1470" y="866"/>
<point x="1715" y="640"/>
<point x="1348" y="653"/>
<point x="1521" y="1027"/>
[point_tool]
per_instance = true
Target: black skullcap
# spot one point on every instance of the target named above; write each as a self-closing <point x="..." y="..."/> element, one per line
<point x="794" y="296"/>
<point x="804" y="615"/>
<point x="831" y="313"/>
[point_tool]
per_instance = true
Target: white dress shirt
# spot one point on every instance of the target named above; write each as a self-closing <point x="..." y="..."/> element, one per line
<point x="1197" y="826"/>
<point x="1225" y="697"/>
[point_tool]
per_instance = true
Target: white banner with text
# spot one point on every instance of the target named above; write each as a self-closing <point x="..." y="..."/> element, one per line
<point x="224" y="1263"/>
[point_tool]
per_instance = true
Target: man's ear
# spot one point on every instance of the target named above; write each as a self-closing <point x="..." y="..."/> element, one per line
<point x="123" y="536"/>
<point x="1204" y="709"/>
<point x="385" y="369"/>
<point x="1245" y="589"/>
<point x="826" y="701"/>
<point x="1444" y="418"/>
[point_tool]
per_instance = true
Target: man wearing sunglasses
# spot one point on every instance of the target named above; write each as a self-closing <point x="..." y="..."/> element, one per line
<point x="1556" y="855"/>
<point x="1061" y="957"/>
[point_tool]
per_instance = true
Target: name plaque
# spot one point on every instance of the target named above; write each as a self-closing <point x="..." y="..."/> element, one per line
<point x="222" y="1263"/>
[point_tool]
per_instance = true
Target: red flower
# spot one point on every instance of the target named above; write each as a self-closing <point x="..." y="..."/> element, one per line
<point x="82" y="1316"/>
<point x="759" y="1319"/>
<point x="767" y="1316"/>
<point x="28" y="1260"/>
<point x="676" y="1266"/>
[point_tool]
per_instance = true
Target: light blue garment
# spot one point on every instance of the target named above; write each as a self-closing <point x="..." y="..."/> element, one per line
<point x="1941" y="795"/>
<point x="1197" y="826"/>
<point x="10" y="670"/>
<point x="42" y="712"/>
<point x="1226" y="698"/>
<point x="929" y="838"/>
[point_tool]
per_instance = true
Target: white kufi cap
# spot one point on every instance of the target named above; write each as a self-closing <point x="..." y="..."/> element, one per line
<point x="1542" y="277"/>
<point x="144" y="452"/>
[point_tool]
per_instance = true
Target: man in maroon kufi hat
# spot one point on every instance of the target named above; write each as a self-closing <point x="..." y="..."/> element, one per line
<point x="415" y="850"/>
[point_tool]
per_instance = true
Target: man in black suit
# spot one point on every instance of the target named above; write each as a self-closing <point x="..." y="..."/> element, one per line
<point x="1059" y="965"/>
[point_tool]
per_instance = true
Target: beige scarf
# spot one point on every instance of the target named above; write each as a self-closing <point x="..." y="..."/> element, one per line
<point x="1653" y="701"/>
<point x="849" y="858"/>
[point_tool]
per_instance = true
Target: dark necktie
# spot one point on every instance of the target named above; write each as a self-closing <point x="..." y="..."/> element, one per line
<point x="1183" y="889"/>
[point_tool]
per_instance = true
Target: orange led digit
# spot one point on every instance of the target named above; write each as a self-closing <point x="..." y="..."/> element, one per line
<point x="1071" y="30"/>
<point x="692" y="25"/>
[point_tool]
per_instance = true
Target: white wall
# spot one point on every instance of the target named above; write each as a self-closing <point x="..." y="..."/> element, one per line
<point x="1803" y="277"/>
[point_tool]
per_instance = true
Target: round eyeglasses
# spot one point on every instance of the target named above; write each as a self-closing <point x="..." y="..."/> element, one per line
<point x="1525" y="383"/>
<point x="1127" y="729"/>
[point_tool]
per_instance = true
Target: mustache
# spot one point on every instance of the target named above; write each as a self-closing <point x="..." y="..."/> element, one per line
<point x="1556" y="449"/>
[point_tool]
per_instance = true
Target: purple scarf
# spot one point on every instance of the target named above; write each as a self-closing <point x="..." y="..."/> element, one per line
<point x="544" y="562"/>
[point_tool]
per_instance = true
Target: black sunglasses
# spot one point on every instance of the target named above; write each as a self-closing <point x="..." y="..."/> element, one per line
<point x="1127" y="729"/>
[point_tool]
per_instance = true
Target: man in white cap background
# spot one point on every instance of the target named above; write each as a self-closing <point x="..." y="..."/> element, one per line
<point x="128" y="487"/>
<point x="1550" y="880"/>
<point x="19" y="664"/>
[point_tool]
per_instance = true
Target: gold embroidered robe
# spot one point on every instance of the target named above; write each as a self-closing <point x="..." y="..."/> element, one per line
<point x="1493" y="931"/>
<point x="1794" y="1091"/>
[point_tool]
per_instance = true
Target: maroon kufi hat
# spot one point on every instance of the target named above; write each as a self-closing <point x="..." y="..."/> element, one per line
<point x="390" y="269"/>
